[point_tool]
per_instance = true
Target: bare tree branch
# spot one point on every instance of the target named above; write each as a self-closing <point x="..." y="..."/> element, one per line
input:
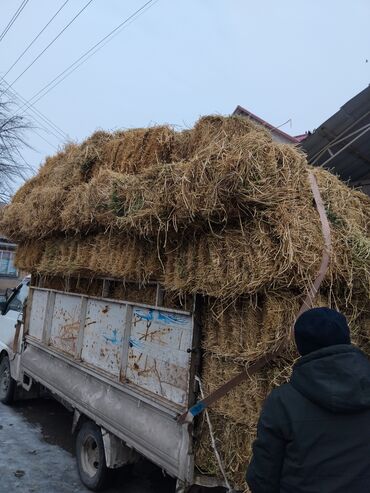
<point x="12" y="163"/>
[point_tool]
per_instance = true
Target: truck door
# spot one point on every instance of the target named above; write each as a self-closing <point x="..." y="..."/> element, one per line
<point x="11" y="311"/>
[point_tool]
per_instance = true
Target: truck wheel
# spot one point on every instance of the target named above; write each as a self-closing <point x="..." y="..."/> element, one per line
<point x="7" y="384"/>
<point x="90" y="456"/>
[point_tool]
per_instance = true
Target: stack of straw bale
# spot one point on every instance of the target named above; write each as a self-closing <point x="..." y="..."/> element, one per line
<point x="221" y="211"/>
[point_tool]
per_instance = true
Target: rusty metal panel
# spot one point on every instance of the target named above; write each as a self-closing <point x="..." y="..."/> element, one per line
<point x="37" y="314"/>
<point x="143" y="424"/>
<point x="159" y="357"/>
<point x="147" y="347"/>
<point x="103" y="332"/>
<point x="65" y="323"/>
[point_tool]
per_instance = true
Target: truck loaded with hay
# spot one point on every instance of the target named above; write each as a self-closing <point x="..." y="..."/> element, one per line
<point x="166" y="263"/>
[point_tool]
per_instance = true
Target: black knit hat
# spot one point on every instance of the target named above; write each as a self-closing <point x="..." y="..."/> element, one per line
<point x="320" y="327"/>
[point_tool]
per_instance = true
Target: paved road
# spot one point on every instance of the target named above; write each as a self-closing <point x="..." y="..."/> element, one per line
<point x="36" y="454"/>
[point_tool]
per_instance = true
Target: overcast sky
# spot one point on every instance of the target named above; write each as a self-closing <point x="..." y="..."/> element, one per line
<point x="289" y="59"/>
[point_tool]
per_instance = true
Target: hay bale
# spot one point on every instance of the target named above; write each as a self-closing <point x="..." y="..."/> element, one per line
<point x="240" y="260"/>
<point x="82" y="285"/>
<point x="243" y="404"/>
<point x="92" y="256"/>
<point x="344" y="206"/>
<point x="235" y="415"/>
<point x="235" y="218"/>
<point x="52" y="282"/>
<point x="36" y="213"/>
<point x="223" y="182"/>
<point x="361" y="332"/>
<point x="231" y="165"/>
<point x="90" y="286"/>
<point x="91" y="206"/>
<point x="245" y="329"/>
<point x="134" y="150"/>
<point x="28" y="255"/>
<point x="220" y="210"/>
<point x="234" y="443"/>
<point x="133" y="292"/>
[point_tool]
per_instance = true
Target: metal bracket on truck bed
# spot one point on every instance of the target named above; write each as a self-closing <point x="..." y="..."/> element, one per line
<point x="117" y="454"/>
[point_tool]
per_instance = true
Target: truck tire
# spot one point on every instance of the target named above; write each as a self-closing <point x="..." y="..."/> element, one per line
<point x="90" y="456"/>
<point x="7" y="384"/>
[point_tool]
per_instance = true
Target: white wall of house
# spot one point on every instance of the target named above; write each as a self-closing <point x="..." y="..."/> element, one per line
<point x="9" y="275"/>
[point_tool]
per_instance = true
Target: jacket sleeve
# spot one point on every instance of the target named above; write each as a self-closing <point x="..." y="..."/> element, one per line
<point x="264" y="471"/>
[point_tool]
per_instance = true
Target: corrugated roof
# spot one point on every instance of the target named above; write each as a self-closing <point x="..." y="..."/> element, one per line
<point x="342" y="143"/>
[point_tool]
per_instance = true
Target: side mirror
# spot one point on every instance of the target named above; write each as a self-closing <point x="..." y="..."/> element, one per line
<point x="8" y="292"/>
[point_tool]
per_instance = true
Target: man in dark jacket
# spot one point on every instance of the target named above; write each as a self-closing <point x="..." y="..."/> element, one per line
<point x="313" y="435"/>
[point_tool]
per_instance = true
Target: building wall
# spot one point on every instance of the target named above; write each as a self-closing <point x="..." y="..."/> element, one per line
<point x="9" y="275"/>
<point x="8" y="282"/>
<point x="280" y="138"/>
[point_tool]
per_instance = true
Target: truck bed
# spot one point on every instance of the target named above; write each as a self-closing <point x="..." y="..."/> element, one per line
<point x="127" y="366"/>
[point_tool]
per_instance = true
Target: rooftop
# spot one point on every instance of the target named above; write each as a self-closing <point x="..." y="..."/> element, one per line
<point x="341" y="143"/>
<point x="281" y="136"/>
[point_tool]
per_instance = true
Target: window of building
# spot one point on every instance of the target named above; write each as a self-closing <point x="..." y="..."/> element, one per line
<point x="7" y="264"/>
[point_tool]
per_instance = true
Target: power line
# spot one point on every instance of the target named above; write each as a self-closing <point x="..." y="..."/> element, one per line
<point x="51" y="42"/>
<point x="45" y="140"/>
<point x="54" y="128"/>
<point x="13" y="19"/>
<point x="34" y="39"/>
<point x="41" y="127"/>
<point x="89" y="53"/>
<point x="47" y="120"/>
<point x="40" y="115"/>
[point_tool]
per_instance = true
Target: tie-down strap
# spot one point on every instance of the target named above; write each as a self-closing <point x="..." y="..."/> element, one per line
<point x="253" y="368"/>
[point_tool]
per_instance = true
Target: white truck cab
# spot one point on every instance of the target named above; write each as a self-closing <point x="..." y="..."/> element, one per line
<point x="11" y="306"/>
